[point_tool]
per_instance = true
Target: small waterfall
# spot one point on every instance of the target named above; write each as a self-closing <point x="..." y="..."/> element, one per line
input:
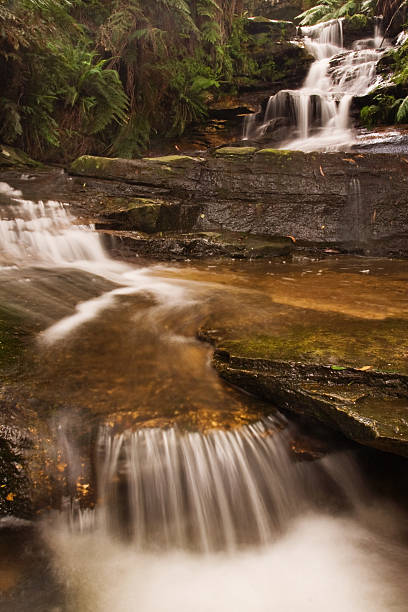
<point x="319" y="112"/>
<point x="169" y="489"/>
<point x="44" y="235"/>
<point x="354" y="224"/>
<point x="33" y="233"/>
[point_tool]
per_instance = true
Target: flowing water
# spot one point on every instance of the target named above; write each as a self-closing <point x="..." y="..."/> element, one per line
<point x="179" y="493"/>
<point x="318" y="113"/>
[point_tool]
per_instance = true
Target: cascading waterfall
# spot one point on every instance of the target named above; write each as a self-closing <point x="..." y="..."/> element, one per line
<point x="44" y="234"/>
<point x="319" y="111"/>
<point x="221" y="519"/>
<point x="169" y="489"/>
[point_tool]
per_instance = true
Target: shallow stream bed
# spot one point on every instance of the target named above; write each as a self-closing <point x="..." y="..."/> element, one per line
<point x="155" y="485"/>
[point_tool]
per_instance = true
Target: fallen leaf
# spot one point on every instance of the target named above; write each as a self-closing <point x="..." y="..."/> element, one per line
<point x="10" y="497"/>
<point x="365" y="368"/>
<point x="321" y="171"/>
<point x="334" y="367"/>
<point x="348" y="159"/>
<point x="292" y="238"/>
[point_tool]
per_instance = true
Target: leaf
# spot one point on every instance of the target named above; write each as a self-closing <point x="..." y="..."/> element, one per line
<point x="402" y="114"/>
<point x="365" y="368"/>
<point x="10" y="497"/>
<point x="338" y="368"/>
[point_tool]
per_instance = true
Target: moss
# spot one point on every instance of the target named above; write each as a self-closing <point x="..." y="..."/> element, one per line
<point x="173" y="159"/>
<point x="11" y="156"/>
<point x="357" y="22"/>
<point x="260" y="19"/>
<point x="89" y="164"/>
<point x="118" y="205"/>
<point x="286" y="153"/>
<point x="236" y="151"/>
<point x="360" y="343"/>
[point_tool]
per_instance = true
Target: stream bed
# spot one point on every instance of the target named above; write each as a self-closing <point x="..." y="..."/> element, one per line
<point x="156" y="486"/>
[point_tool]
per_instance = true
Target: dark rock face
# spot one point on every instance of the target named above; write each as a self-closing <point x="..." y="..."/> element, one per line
<point x="354" y="202"/>
<point x="285" y="9"/>
<point x="199" y="245"/>
<point x="357" y="27"/>
<point x="276" y="29"/>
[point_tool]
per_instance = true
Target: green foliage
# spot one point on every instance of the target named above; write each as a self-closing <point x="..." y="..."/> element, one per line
<point x="58" y="90"/>
<point x="335" y="9"/>
<point x="385" y="110"/>
<point x="92" y="76"/>
<point x="402" y="113"/>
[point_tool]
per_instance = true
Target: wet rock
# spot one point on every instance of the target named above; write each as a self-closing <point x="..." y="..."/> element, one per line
<point x="352" y="201"/>
<point x="13" y="157"/>
<point x="276" y="29"/>
<point x="357" y="27"/>
<point x="327" y="373"/>
<point x="198" y="245"/>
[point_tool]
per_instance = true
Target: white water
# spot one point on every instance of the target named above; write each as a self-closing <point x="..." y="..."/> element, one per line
<point x="320" y="109"/>
<point x="268" y="537"/>
<point x="189" y="490"/>
<point x="44" y="234"/>
<point x="224" y="521"/>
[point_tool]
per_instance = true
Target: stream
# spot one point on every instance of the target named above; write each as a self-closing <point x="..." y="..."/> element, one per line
<point x="168" y="489"/>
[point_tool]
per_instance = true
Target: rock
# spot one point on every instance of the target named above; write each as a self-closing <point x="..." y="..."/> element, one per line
<point x="143" y="214"/>
<point x="284" y="9"/>
<point x="348" y="373"/>
<point x="11" y="157"/>
<point x="354" y="202"/>
<point x="357" y="27"/>
<point x="198" y="245"/>
<point x="277" y="30"/>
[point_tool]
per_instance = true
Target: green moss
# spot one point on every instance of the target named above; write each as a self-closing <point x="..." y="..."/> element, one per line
<point x="260" y="19"/>
<point x="116" y="205"/>
<point x="236" y="151"/>
<point x="89" y="164"/>
<point x="349" y="342"/>
<point x="357" y="22"/>
<point x="173" y="159"/>
<point x="286" y="153"/>
<point x="11" y="156"/>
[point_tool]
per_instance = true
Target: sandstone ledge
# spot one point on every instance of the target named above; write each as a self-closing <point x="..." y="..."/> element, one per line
<point x="356" y="202"/>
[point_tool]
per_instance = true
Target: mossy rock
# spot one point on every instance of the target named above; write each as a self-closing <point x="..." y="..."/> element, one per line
<point x="174" y="160"/>
<point x="235" y="151"/>
<point x="11" y="156"/>
<point x="348" y="372"/>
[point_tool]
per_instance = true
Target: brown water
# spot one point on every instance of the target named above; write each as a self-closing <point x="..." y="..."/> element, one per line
<point x="145" y="442"/>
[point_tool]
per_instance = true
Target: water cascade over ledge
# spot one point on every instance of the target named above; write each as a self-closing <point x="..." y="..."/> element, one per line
<point x="211" y="512"/>
<point x="317" y="115"/>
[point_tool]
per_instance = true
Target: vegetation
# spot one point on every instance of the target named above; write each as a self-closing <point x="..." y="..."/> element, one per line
<point x="93" y="76"/>
<point x="388" y="104"/>
<point x="335" y="9"/>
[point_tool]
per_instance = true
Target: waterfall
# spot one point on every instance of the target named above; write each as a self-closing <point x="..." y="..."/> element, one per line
<point x="319" y="112"/>
<point x="45" y="235"/>
<point x="219" y="490"/>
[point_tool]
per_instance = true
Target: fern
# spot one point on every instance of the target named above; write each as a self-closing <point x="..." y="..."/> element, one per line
<point x="402" y="113"/>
